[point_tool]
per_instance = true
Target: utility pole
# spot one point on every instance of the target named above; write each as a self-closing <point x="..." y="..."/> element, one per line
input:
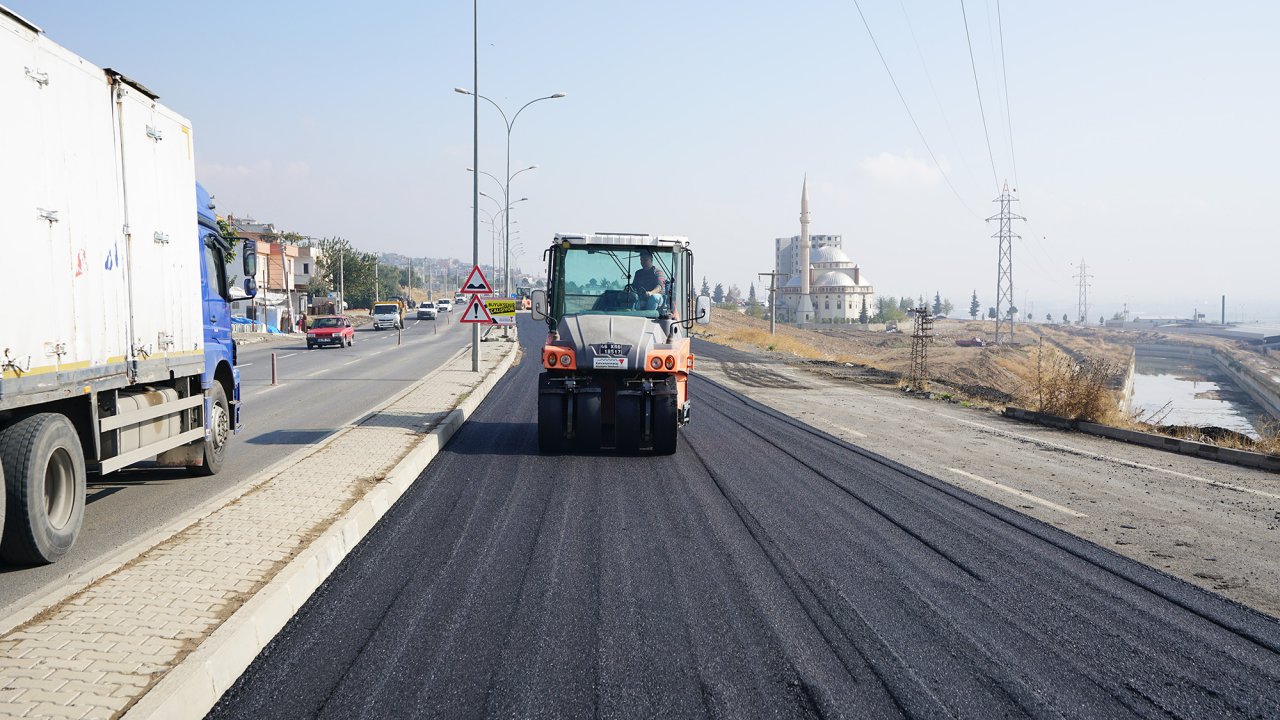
<point x="1082" y="275"/>
<point x="376" y="289"/>
<point x="918" y="381"/>
<point x="342" y="283"/>
<point x="773" y="305"/>
<point x="1004" y="269"/>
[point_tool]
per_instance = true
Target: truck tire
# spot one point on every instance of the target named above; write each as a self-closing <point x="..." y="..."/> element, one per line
<point x="45" y="484"/>
<point x="628" y="423"/>
<point x="550" y="423"/>
<point x="3" y="493"/>
<point x="587" y="430"/>
<point x="215" y="443"/>
<point x="665" y="424"/>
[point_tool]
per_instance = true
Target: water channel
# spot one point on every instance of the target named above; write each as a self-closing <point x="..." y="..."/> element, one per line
<point x="1197" y="393"/>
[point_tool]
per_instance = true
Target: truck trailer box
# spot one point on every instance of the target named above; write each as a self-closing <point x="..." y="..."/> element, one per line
<point x="103" y="286"/>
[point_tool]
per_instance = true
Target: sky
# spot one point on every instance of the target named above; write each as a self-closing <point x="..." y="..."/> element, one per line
<point x="1140" y="136"/>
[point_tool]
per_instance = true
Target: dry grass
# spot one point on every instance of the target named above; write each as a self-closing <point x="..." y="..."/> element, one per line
<point x="777" y="343"/>
<point x="1079" y="390"/>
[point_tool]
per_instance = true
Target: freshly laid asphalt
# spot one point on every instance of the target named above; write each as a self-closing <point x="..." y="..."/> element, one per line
<point x="764" y="570"/>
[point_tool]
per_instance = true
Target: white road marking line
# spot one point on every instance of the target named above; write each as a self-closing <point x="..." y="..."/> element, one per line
<point x="289" y="355"/>
<point x="352" y="362"/>
<point x="269" y="387"/>
<point x="1019" y="493"/>
<point x="1091" y="454"/>
<point x="244" y="365"/>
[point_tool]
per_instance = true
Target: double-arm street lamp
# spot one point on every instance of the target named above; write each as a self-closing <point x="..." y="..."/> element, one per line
<point x="510" y="123"/>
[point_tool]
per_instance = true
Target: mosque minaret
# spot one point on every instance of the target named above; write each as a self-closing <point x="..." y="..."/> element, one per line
<point x="805" y="311"/>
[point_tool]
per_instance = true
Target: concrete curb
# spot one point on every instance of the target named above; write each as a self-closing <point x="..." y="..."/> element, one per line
<point x="192" y="688"/>
<point x="1206" y="451"/>
<point x="29" y="606"/>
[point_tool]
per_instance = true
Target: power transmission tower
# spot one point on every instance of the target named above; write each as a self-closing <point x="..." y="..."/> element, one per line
<point x="773" y="304"/>
<point x="1004" y="270"/>
<point x="918" y="381"/>
<point x="1083" y="277"/>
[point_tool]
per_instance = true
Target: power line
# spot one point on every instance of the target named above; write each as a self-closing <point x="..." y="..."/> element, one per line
<point x="933" y="88"/>
<point x="1004" y="73"/>
<point x="907" y="107"/>
<point x="995" y="177"/>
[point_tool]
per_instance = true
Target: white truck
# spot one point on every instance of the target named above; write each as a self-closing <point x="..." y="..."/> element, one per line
<point x="387" y="315"/>
<point x="115" y="331"/>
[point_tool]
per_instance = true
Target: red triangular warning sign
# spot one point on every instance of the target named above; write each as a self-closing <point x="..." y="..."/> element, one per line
<point x="476" y="283"/>
<point x="476" y="312"/>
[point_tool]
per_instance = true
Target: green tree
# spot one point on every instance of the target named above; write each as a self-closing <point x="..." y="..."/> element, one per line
<point x="937" y="303"/>
<point x="1012" y="312"/>
<point x="904" y="304"/>
<point x="862" y="313"/>
<point x="1065" y="321"/>
<point x="991" y="313"/>
<point x="751" y="296"/>
<point x="974" y="306"/>
<point x="733" y="295"/>
<point x="888" y="308"/>
<point x="718" y="296"/>
<point x="947" y="307"/>
<point x="1048" y="317"/>
<point x="706" y="289"/>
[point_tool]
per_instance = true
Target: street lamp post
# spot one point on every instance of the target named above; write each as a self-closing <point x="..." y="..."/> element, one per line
<point x="506" y="283"/>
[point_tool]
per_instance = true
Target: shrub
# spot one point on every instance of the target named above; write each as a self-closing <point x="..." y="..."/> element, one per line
<point x="1079" y="390"/>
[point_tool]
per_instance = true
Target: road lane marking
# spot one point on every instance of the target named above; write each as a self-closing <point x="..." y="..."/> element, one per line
<point x="1089" y="453"/>
<point x="289" y="355"/>
<point x="352" y="362"/>
<point x="244" y="365"/>
<point x="1024" y="495"/>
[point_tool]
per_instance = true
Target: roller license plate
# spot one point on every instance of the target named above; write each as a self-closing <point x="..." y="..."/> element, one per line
<point x="609" y="363"/>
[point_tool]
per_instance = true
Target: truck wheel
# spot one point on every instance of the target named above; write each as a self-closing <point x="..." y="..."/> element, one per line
<point x="628" y="423"/>
<point x="550" y="423"/>
<point x="45" y="484"/>
<point x="3" y="493"/>
<point x="665" y="423"/>
<point x="586" y="421"/>
<point x="215" y="445"/>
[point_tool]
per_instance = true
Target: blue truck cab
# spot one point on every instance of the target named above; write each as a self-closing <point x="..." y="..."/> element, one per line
<point x="221" y="379"/>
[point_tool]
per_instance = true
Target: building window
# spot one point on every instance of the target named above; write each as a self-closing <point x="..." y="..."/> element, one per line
<point x="826" y="305"/>
<point x="306" y="268"/>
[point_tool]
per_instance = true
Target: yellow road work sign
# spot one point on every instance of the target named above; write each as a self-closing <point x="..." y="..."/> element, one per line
<point x="503" y="310"/>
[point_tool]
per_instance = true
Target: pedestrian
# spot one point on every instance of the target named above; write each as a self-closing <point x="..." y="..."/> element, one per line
<point x="302" y="322"/>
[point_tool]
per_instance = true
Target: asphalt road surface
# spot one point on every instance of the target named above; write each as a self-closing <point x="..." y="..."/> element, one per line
<point x="318" y="392"/>
<point x="764" y="570"/>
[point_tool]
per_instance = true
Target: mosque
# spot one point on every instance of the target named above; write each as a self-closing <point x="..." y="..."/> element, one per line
<point x="833" y="290"/>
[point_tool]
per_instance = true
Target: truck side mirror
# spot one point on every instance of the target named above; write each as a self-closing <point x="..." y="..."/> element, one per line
<point x="250" y="252"/>
<point x="250" y="287"/>
<point x="702" y="311"/>
<point x="538" y="299"/>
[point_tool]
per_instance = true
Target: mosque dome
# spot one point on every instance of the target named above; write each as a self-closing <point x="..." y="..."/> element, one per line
<point x="793" y="282"/>
<point x="828" y="254"/>
<point x="834" y="278"/>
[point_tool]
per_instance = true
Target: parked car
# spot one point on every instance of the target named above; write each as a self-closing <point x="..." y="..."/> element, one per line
<point x="426" y="311"/>
<point x="459" y="299"/>
<point x="444" y="305"/>
<point x="331" y="330"/>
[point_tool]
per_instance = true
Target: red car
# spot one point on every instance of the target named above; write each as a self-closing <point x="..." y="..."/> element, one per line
<point x="330" y="330"/>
